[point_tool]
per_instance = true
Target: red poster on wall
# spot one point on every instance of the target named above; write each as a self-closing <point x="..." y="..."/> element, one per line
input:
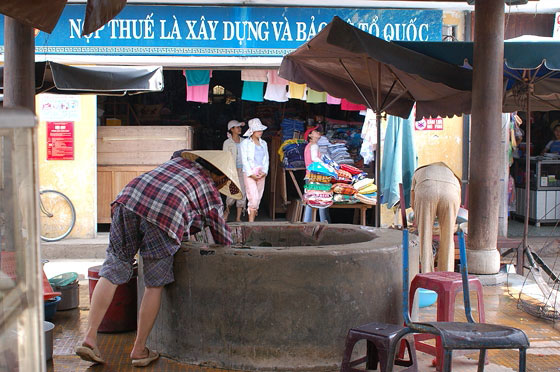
<point x="60" y="140"/>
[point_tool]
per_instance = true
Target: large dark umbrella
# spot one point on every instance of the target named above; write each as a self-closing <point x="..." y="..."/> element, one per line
<point x="532" y="82"/>
<point x="347" y="62"/>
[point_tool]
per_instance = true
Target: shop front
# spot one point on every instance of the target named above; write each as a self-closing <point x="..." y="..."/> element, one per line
<point x="238" y="48"/>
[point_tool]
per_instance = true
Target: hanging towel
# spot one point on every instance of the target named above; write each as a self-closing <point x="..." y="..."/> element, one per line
<point x="273" y="78"/>
<point x="254" y="75"/>
<point x="316" y="97"/>
<point x="252" y="91"/>
<point x="333" y="100"/>
<point x="198" y="93"/>
<point x="399" y="160"/>
<point x="296" y="91"/>
<point x="349" y="106"/>
<point x="197" y="77"/>
<point x="276" y="92"/>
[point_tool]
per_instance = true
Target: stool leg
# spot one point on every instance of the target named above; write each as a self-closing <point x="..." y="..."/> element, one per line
<point x="480" y="298"/>
<point x="481" y="359"/>
<point x="448" y="354"/>
<point x="372" y="356"/>
<point x="522" y="360"/>
<point x="350" y="342"/>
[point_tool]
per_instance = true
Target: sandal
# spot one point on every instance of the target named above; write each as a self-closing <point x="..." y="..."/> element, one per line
<point x="143" y="362"/>
<point x="89" y="354"/>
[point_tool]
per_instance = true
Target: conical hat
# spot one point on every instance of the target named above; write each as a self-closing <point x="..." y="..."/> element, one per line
<point x="224" y="161"/>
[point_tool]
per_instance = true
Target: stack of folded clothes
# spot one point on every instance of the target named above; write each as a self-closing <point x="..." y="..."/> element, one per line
<point x="291" y="153"/>
<point x="317" y="188"/>
<point x="339" y="153"/>
<point x="289" y="127"/>
<point x="366" y="191"/>
<point x="323" y="144"/>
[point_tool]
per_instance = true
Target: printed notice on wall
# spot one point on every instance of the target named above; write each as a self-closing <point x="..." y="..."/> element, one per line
<point x="429" y="124"/>
<point x="57" y="107"/>
<point x="60" y="140"/>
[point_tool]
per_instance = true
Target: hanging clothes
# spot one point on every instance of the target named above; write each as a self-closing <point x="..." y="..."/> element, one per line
<point x="254" y="75"/>
<point x="399" y="160"/>
<point x="333" y="100"/>
<point x="197" y="77"/>
<point x="296" y="91"/>
<point x="316" y="97"/>
<point x="276" y="92"/>
<point x="273" y="78"/>
<point x="349" y="106"/>
<point x="252" y="91"/>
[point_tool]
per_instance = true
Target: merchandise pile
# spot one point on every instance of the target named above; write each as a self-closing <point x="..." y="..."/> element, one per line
<point x="329" y="182"/>
<point x="291" y="153"/>
<point x="290" y="127"/>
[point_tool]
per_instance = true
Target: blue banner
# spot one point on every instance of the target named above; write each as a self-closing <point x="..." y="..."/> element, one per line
<point x="159" y="30"/>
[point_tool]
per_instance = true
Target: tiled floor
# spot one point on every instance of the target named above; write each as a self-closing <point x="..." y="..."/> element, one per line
<point x="501" y="307"/>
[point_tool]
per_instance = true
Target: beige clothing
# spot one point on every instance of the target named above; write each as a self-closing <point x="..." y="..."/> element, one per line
<point x="437" y="192"/>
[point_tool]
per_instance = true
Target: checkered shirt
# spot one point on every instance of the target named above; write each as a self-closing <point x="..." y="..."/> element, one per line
<point x="178" y="198"/>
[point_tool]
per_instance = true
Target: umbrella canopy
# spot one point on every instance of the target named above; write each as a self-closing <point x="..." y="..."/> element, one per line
<point x="527" y="60"/>
<point x="44" y="15"/>
<point x="347" y="62"/>
<point x="51" y="77"/>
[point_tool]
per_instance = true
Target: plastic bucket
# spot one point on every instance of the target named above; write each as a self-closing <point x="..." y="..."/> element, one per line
<point x="50" y="307"/>
<point x="48" y="328"/>
<point x="70" y="296"/>
<point x="121" y="314"/>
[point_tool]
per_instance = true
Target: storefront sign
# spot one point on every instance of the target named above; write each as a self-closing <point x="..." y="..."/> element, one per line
<point x="223" y="31"/>
<point x="556" y="32"/>
<point x="429" y="124"/>
<point x="60" y="140"/>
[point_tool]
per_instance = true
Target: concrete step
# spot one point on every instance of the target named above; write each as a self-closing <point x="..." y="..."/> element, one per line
<point x="76" y="248"/>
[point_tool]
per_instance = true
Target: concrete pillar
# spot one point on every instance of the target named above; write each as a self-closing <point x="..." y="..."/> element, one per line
<point x="19" y="65"/>
<point x="484" y="182"/>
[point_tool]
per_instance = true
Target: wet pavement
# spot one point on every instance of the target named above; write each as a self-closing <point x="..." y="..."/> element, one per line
<point x="501" y="306"/>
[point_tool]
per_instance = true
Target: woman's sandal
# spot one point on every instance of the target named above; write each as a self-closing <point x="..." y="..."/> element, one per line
<point x="143" y="362"/>
<point x="89" y="354"/>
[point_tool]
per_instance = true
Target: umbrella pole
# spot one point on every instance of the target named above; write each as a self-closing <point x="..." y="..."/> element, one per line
<point x="523" y="247"/>
<point x="378" y="152"/>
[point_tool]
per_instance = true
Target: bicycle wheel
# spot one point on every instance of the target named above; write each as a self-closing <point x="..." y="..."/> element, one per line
<point x="58" y="215"/>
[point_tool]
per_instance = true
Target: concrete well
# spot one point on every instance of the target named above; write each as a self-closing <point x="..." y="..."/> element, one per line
<point x="282" y="298"/>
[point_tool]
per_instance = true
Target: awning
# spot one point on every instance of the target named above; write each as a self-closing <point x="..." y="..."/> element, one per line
<point x="51" y="77"/>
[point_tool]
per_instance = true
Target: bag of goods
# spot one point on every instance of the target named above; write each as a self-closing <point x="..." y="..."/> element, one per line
<point x="318" y="199"/>
<point x="344" y="199"/>
<point x="317" y="186"/>
<point x="322" y="169"/>
<point x="368" y="189"/>
<point x="363" y="183"/>
<point x="314" y="177"/>
<point x="370" y="200"/>
<point x="343" y="176"/>
<point x="343" y="188"/>
<point x="327" y="160"/>
<point x="350" y="168"/>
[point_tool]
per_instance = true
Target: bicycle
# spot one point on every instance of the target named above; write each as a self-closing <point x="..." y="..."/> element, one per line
<point x="58" y="215"/>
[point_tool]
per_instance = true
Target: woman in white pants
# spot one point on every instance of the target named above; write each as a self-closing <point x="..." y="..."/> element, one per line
<point x="254" y="156"/>
<point x="232" y="144"/>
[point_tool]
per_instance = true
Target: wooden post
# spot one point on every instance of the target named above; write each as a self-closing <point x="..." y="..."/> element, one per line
<point x="19" y="65"/>
<point x="484" y="182"/>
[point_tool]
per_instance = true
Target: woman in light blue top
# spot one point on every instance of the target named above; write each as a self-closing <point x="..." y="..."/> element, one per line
<point x="254" y="157"/>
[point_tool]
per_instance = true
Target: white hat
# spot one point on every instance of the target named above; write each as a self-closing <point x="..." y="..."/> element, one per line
<point x="234" y="123"/>
<point x="255" y="125"/>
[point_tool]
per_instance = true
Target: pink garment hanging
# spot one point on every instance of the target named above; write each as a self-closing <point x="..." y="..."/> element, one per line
<point x="254" y="75"/>
<point x="349" y="106"/>
<point x="273" y="78"/>
<point x="198" y="93"/>
<point x="333" y="100"/>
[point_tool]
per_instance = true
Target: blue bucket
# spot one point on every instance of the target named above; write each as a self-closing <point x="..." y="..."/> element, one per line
<point x="426" y="297"/>
<point x="50" y="307"/>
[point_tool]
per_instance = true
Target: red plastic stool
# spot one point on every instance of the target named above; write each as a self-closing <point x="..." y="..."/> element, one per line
<point x="446" y="284"/>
